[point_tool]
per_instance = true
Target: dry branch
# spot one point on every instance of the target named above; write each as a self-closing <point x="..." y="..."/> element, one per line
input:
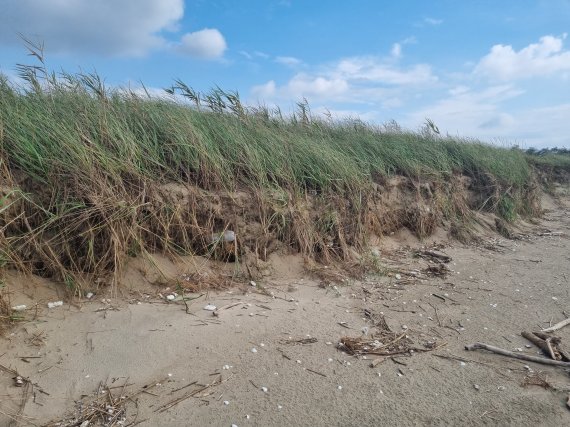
<point x="559" y="325"/>
<point x="497" y="350"/>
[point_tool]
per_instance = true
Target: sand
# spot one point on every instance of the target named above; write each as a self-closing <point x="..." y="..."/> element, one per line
<point x="491" y="295"/>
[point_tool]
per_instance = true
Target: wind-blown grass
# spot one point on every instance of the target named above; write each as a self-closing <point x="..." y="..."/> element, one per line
<point x="83" y="169"/>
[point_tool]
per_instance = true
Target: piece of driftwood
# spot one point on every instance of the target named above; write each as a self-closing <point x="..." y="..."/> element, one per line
<point x="556" y="342"/>
<point x="545" y="344"/>
<point x="521" y="356"/>
<point x="559" y="325"/>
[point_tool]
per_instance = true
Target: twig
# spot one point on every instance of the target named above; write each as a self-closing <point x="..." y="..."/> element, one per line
<point x="559" y="325"/>
<point x="315" y="372"/>
<point x="544" y="361"/>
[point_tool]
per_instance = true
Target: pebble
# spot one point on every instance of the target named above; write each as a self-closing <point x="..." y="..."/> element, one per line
<point x="55" y="304"/>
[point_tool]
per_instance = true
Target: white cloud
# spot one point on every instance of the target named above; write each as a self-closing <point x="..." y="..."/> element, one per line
<point x="545" y="58"/>
<point x="289" y="61"/>
<point x="305" y="85"/>
<point x="208" y="43"/>
<point x="469" y="112"/>
<point x="110" y="27"/>
<point x="433" y="21"/>
<point x="264" y="91"/>
<point x="373" y="69"/>
<point x="396" y="51"/>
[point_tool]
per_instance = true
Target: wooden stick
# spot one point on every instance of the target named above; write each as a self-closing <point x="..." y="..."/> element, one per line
<point x="544" y="361"/>
<point x="543" y="344"/>
<point x="559" y="325"/>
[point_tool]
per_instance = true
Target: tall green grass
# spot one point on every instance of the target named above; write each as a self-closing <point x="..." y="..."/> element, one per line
<point x="81" y="165"/>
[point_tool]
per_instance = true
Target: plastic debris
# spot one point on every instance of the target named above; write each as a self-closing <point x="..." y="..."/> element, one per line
<point x="210" y="307"/>
<point x="252" y="283"/>
<point x="55" y="304"/>
<point x="170" y="297"/>
<point x="89" y="295"/>
<point x="226" y="402"/>
<point x="19" y="307"/>
<point x="254" y="350"/>
<point x="398" y="276"/>
<point x="264" y="389"/>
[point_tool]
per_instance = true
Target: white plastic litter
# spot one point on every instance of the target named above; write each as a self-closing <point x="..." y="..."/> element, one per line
<point x="170" y="297"/>
<point x="210" y="307"/>
<point x="254" y="350"/>
<point x="264" y="389"/>
<point x="55" y="304"/>
<point x="19" y="307"/>
<point x="89" y="295"/>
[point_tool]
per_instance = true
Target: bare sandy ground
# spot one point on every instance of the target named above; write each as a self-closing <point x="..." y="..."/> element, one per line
<point x="261" y="378"/>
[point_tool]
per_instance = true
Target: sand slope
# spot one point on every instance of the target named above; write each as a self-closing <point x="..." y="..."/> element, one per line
<point x="490" y="296"/>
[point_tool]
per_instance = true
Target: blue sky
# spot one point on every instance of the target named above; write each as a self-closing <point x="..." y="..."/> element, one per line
<point x="494" y="70"/>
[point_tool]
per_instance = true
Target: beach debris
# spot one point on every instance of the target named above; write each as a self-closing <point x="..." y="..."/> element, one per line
<point x="89" y="295"/>
<point x="210" y="307"/>
<point x="21" y="307"/>
<point x="170" y="297"/>
<point x="433" y="256"/>
<point x="55" y="304"/>
<point x="264" y="389"/>
<point x="226" y="402"/>
<point x="383" y="341"/>
<point x="300" y="341"/>
<point x="254" y="350"/>
<point x="497" y="350"/>
<point x="252" y="283"/>
<point x="559" y="325"/>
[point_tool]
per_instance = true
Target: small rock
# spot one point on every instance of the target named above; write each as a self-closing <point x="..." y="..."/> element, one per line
<point x="398" y="276"/>
<point x="55" y="304"/>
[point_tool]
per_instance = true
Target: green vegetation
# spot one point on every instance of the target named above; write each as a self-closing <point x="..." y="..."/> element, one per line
<point x="86" y="169"/>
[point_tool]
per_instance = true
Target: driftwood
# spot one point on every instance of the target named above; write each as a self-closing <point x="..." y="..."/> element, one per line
<point x="559" y="325"/>
<point x="497" y="350"/>
<point x="545" y="344"/>
<point x="557" y="342"/>
<point x="434" y="255"/>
